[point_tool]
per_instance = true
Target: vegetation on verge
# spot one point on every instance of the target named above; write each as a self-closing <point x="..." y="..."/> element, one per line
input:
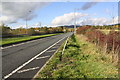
<point x="81" y="59"/>
<point x="107" y="43"/>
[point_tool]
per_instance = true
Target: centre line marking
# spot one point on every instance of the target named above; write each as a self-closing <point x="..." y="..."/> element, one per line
<point x="1" y="48"/>
<point x="42" y="57"/>
<point x="26" y="70"/>
<point x="6" y="47"/>
<point x="14" y="71"/>
<point x="18" y="44"/>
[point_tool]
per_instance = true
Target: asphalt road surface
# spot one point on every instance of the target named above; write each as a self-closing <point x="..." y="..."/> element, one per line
<point x="24" y="60"/>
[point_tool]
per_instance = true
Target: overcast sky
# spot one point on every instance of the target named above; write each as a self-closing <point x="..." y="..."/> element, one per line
<point x="14" y="14"/>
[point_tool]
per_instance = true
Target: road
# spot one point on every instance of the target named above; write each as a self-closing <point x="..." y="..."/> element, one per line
<point x="24" y="60"/>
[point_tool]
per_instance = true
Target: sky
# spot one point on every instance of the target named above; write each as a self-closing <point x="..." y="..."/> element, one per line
<point x="52" y="14"/>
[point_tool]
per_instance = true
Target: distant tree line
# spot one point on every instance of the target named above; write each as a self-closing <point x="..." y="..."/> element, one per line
<point x="116" y="26"/>
<point x="8" y="32"/>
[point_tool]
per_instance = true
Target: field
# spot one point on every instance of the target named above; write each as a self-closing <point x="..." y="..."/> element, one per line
<point x="106" y="31"/>
<point x="25" y="38"/>
<point x="81" y="59"/>
<point x="108" y="43"/>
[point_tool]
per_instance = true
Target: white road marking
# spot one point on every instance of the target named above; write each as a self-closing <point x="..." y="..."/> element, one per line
<point x="18" y="44"/>
<point x="51" y="51"/>
<point x="1" y="47"/>
<point x="43" y="66"/>
<point x="6" y="47"/>
<point x="54" y="47"/>
<point x="26" y="70"/>
<point x="13" y="45"/>
<point x="14" y="71"/>
<point x="42" y="57"/>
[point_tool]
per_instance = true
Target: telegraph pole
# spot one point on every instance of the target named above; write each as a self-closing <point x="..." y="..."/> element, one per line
<point x="75" y="9"/>
<point x="26" y="23"/>
<point x="74" y="21"/>
<point x="113" y="15"/>
<point x="40" y="24"/>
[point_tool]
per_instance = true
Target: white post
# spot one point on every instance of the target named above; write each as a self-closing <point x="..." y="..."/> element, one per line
<point x="65" y="46"/>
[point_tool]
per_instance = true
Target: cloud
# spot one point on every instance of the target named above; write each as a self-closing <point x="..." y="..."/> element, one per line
<point x="88" y="5"/>
<point x="99" y="21"/>
<point x="96" y="21"/>
<point x="37" y="24"/>
<point x="31" y="0"/>
<point x="117" y="20"/>
<point x="14" y="11"/>
<point x="83" y="19"/>
<point x="57" y="0"/>
<point x="6" y="19"/>
<point x="67" y="19"/>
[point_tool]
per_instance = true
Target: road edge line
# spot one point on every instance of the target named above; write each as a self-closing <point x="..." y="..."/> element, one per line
<point x="44" y="65"/>
<point x="14" y="71"/>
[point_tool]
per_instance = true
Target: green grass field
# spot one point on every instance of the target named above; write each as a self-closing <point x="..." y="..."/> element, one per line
<point x="18" y="39"/>
<point x="81" y="59"/>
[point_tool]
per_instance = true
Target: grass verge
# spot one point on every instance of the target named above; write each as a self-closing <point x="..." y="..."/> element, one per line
<point x="20" y="39"/>
<point x="81" y="59"/>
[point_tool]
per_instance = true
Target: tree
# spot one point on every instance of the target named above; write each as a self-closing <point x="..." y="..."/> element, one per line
<point x="31" y="31"/>
<point x="5" y="30"/>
